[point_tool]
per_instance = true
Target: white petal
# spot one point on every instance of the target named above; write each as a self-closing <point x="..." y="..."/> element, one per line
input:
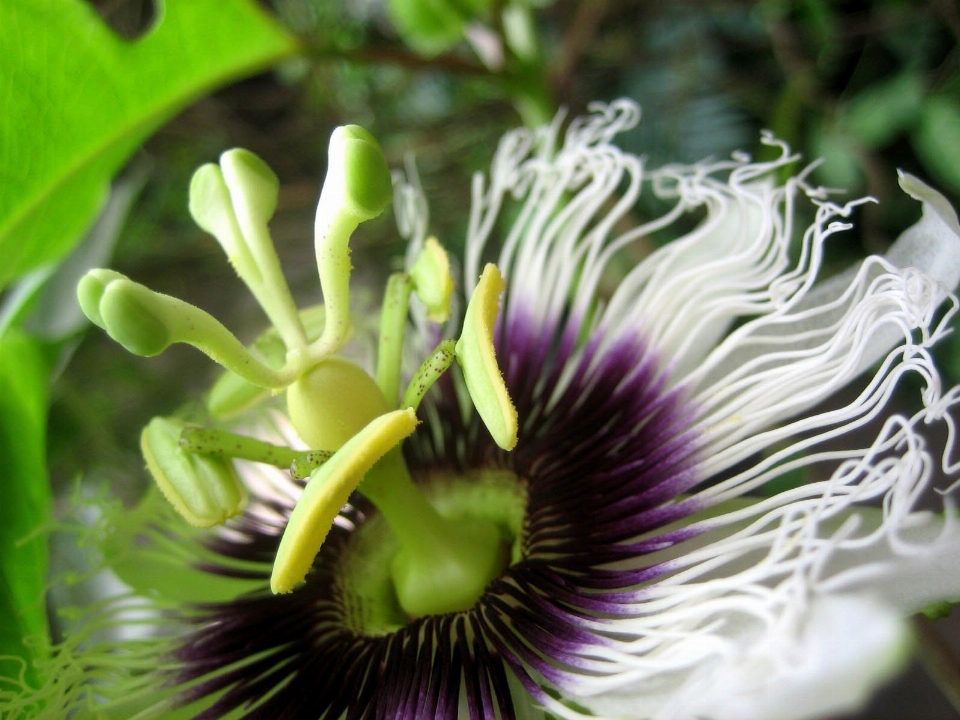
<point x="825" y="660"/>
<point x="845" y="647"/>
<point x="916" y="567"/>
<point x="932" y="244"/>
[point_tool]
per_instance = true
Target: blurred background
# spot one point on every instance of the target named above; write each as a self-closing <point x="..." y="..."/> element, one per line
<point x="868" y="86"/>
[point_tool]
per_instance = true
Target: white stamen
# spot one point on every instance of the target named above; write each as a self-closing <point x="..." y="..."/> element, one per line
<point x="763" y="576"/>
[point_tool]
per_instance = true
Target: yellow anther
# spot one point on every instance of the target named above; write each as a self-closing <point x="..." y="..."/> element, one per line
<point x="432" y="280"/>
<point x="327" y="491"/>
<point x="205" y="490"/>
<point x="477" y="358"/>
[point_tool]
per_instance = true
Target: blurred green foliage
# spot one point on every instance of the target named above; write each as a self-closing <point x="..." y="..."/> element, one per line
<point x="24" y="370"/>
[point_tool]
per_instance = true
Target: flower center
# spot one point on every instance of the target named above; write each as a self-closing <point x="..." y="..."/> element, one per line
<point x="442" y="564"/>
<point x="352" y="422"/>
<point x="365" y="582"/>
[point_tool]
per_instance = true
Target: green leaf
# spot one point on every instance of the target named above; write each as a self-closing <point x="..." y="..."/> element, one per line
<point x="937" y="140"/>
<point x="78" y="100"/>
<point x="24" y="502"/>
<point x="878" y="114"/>
<point x="429" y="27"/>
<point x="841" y="160"/>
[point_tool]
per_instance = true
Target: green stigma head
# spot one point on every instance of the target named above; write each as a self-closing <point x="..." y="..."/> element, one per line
<point x="358" y="164"/>
<point x="126" y="310"/>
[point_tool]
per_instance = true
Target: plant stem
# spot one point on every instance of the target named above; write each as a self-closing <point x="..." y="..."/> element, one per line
<point x="938" y="659"/>
<point x="393" y="320"/>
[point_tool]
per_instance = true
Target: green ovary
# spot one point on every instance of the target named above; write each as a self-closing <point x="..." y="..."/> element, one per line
<point x="332" y="403"/>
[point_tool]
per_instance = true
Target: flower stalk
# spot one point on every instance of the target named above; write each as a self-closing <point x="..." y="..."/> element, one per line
<point x="393" y="321"/>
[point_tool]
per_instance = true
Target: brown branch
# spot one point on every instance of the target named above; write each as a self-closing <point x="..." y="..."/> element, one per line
<point x="577" y="40"/>
<point x="950" y="14"/>
<point x="938" y="660"/>
<point x="402" y="57"/>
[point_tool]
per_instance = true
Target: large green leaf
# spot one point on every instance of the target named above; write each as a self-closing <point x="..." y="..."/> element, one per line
<point x="24" y="502"/>
<point x="78" y="99"/>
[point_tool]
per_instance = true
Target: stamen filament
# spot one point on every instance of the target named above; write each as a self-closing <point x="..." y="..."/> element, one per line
<point x="309" y="461"/>
<point x="221" y="443"/>
<point x="393" y="320"/>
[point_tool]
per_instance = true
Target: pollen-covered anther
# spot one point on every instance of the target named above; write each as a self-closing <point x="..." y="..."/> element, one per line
<point x="327" y="491"/>
<point x="478" y="360"/>
<point x="204" y="489"/>
<point x="432" y="280"/>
